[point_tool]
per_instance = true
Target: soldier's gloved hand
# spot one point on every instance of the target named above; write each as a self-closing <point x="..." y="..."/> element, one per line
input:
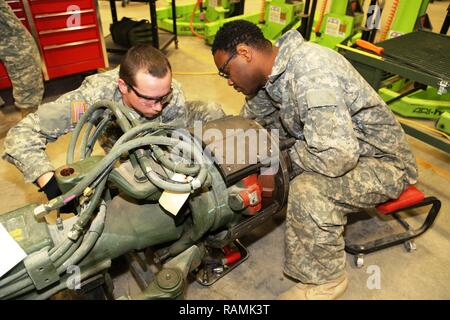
<point x="51" y="190"/>
<point x="141" y="33"/>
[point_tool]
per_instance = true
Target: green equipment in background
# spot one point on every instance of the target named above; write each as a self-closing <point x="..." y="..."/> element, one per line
<point x="341" y="24"/>
<point x="192" y="17"/>
<point x="443" y="122"/>
<point x="204" y="18"/>
<point x="426" y="102"/>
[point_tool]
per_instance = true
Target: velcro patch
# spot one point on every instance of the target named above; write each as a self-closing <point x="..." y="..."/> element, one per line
<point x="78" y="109"/>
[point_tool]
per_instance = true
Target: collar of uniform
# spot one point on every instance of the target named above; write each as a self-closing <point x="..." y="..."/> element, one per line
<point x="287" y="44"/>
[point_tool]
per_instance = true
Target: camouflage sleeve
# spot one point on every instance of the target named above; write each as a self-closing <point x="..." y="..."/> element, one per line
<point x="330" y="146"/>
<point x="261" y="109"/>
<point x="258" y="106"/>
<point x="24" y="147"/>
<point x="25" y="143"/>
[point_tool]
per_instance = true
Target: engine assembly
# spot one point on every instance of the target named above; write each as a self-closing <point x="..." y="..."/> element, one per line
<point x="186" y="193"/>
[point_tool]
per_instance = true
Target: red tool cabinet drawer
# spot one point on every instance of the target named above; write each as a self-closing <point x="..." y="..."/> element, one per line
<point x="73" y="52"/>
<point x="49" y="38"/>
<point x="56" y="21"/>
<point x="52" y="6"/>
<point x="15" y="4"/>
<point x="82" y="57"/>
<point x="67" y="32"/>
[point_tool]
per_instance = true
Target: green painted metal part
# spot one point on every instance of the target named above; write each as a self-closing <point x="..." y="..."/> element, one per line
<point x="30" y="234"/>
<point x="280" y="16"/>
<point x="213" y="11"/>
<point x="170" y="282"/>
<point x="68" y="176"/>
<point x="337" y="27"/>
<point x="406" y="17"/>
<point x="211" y="28"/>
<point x="443" y="123"/>
<point x="421" y="104"/>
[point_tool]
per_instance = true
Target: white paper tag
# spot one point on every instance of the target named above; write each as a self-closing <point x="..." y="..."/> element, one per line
<point x="173" y="201"/>
<point x="10" y="251"/>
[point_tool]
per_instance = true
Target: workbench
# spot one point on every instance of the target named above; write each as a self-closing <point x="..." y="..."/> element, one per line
<point x="421" y="56"/>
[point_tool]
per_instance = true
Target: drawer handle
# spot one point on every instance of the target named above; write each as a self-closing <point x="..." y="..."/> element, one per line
<point x="68" y="13"/>
<point x="89" y="26"/>
<point x="70" y="44"/>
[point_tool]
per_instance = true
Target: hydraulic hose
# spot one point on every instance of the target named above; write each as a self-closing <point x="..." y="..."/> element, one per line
<point x="103" y="104"/>
<point x="94" y="232"/>
<point x="125" y="118"/>
<point x="114" y="154"/>
<point x="175" y="167"/>
<point x="88" y="144"/>
<point x="191" y="21"/>
<point x="86" y="214"/>
<point x="13" y="277"/>
<point x="68" y="253"/>
<point x="159" y="154"/>
<point x="57" y="252"/>
<point x="76" y="253"/>
<point x="88" y="130"/>
<point x="93" y="139"/>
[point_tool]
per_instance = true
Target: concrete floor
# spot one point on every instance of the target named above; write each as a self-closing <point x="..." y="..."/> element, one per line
<point x="422" y="274"/>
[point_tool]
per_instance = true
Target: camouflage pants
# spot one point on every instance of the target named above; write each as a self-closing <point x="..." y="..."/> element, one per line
<point x="19" y="53"/>
<point x="316" y="215"/>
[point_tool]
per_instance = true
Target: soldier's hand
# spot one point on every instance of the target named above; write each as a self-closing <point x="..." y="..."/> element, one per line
<point x="51" y="190"/>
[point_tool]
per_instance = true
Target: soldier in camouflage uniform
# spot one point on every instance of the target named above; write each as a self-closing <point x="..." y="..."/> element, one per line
<point x="143" y="83"/>
<point x="19" y="53"/>
<point x="350" y="152"/>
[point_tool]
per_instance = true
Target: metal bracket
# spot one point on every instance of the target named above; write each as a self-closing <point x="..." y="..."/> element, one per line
<point x="41" y="269"/>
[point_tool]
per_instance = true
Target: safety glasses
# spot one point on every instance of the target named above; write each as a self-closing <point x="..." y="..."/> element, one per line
<point x="222" y="69"/>
<point x="165" y="99"/>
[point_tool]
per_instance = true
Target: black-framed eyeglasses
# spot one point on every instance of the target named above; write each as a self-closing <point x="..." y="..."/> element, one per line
<point x="165" y="99"/>
<point x="222" y="71"/>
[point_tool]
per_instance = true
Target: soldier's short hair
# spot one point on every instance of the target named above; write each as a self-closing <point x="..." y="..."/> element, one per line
<point x="143" y="57"/>
<point x="239" y="31"/>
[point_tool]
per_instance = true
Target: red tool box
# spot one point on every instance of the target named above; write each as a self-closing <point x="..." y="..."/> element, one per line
<point x="68" y="34"/>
